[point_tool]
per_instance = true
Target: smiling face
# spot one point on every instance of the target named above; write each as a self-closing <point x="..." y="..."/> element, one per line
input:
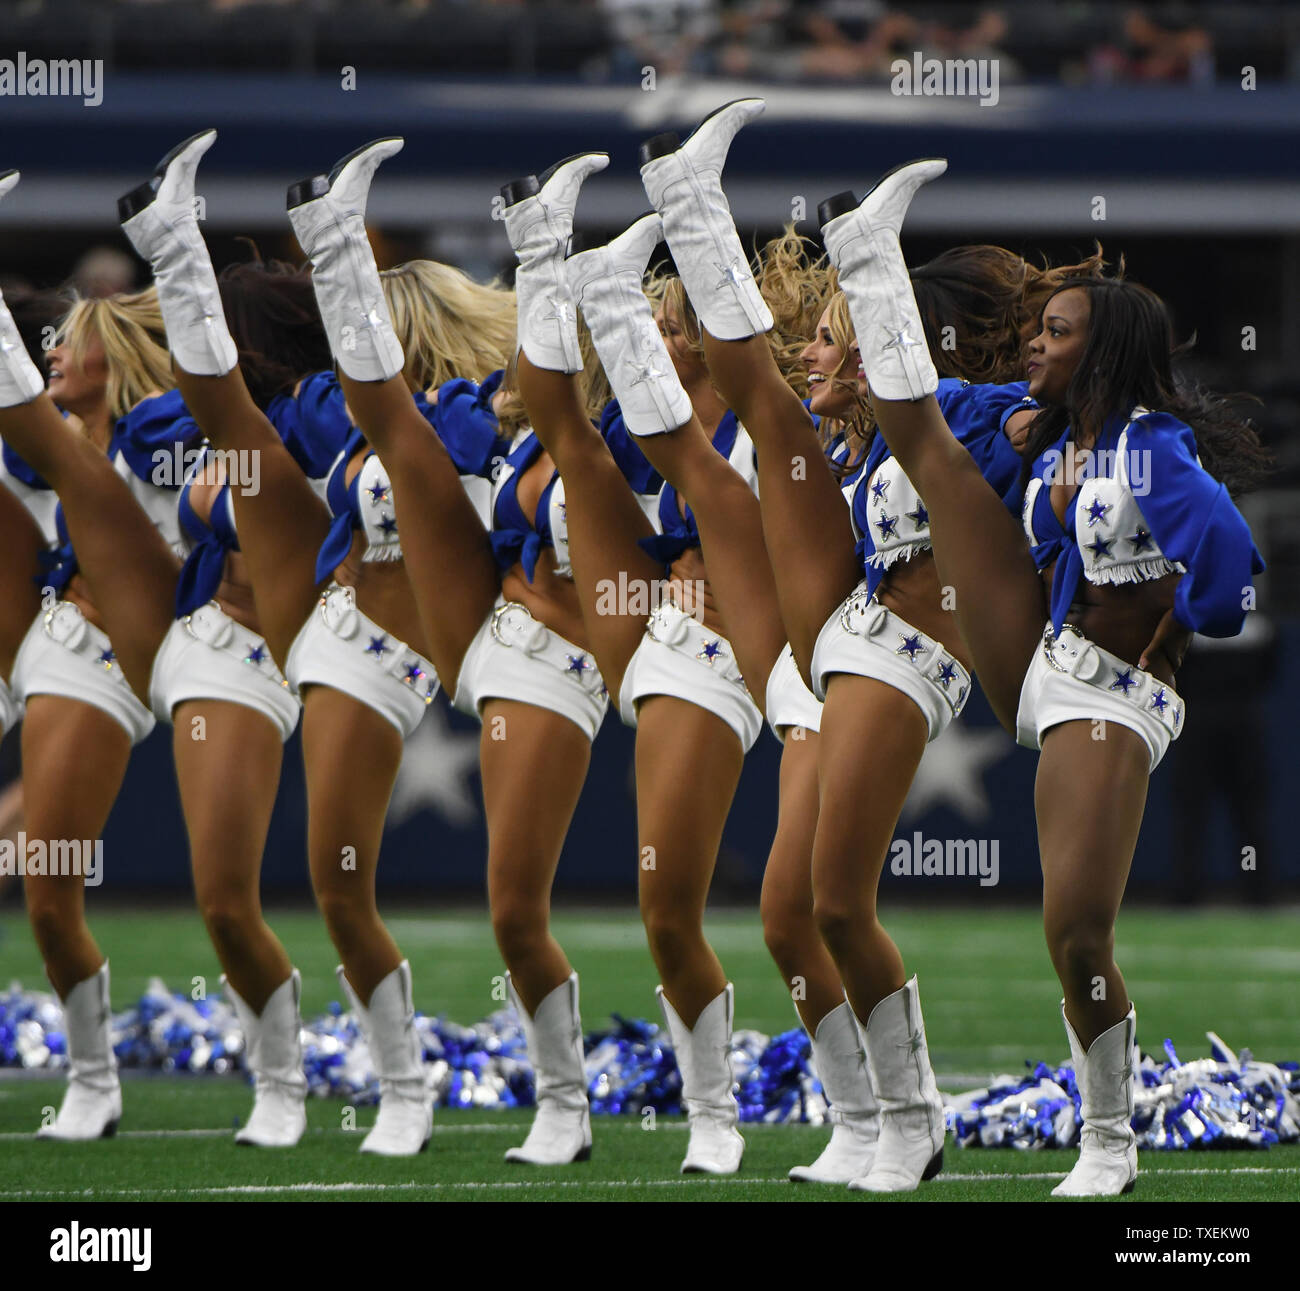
<point x="835" y="380"/>
<point x="1055" y="352"/>
<point x="690" y="367"/>
<point x="79" y="387"/>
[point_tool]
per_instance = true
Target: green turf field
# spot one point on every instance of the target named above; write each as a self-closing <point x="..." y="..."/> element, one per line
<point x="990" y="1003"/>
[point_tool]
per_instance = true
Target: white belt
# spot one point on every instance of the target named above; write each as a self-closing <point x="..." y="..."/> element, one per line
<point x="672" y="626"/>
<point x="513" y="626"/>
<point x="338" y="611"/>
<point x="866" y="617"/>
<point x="1073" y="654"/>
<point x="67" y="626"/>
<point x="214" y="627"/>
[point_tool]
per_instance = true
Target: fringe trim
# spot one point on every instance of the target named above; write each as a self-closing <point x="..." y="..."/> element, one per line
<point x="1138" y="571"/>
<point x="385" y="554"/>
<point x="888" y="559"/>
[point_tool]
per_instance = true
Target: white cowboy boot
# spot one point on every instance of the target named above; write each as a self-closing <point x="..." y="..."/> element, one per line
<point x="606" y="283"/>
<point x="405" y="1121"/>
<point x="20" y="378"/>
<point x="1107" y="1164"/>
<point x="910" y="1148"/>
<point x="561" y="1130"/>
<point x="273" y="1054"/>
<point x="841" y="1066"/>
<point x="704" y="1059"/>
<point x="328" y="214"/>
<point x="684" y="184"/>
<point x="92" y="1106"/>
<point x="159" y="219"/>
<point x="862" y="243"/>
<point x="539" y="223"/>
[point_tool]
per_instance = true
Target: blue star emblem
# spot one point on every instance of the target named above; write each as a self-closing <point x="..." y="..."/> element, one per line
<point x="1100" y="546"/>
<point x="388" y="524"/>
<point x="1124" y="680"/>
<point x="257" y="655"/>
<point x="712" y="650"/>
<point x="920" y="517"/>
<point x="947" y="674"/>
<point x="107" y="657"/>
<point x="378" y="492"/>
<point x="1141" y="540"/>
<point x="413" y="673"/>
<point x="1159" y="702"/>
<point x="911" y="646"/>
<point x="888" y="526"/>
<point x="880" y="489"/>
<point x="578" y="664"/>
<point x="1097" y="511"/>
<point x="379" y="646"/>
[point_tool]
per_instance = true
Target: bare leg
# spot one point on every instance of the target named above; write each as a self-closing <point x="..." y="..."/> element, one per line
<point x="786" y="906"/>
<point x="74" y="758"/>
<point x="979" y="550"/>
<point x="859" y="812"/>
<point x="604" y="518"/>
<point x="806" y="524"/>
<point x="281" y="526"/>
<point x="130" y="569"/>
<point x="1089" y="796"/>
<point x="448" y="556"/>
<point x="228" y="783"/>
<point x="351" y="755"/>
<point x="688" y="764"/>
<point x="21" y="542"/>
<point x="728" y="517"/>
<point x="534" y="765"/>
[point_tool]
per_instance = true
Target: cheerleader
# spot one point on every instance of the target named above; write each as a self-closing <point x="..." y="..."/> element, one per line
<point x="882" y="650"/>
<point x="344" y="649"/>
<point x="1134" y="543"/>
<point x="504" y="627"/>
<point x="79" y="688"/>
<point x="681" y="678"/>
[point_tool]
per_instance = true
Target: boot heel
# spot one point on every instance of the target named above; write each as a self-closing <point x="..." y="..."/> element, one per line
<point x="584" y="1154"/>
<point x="1128" y="1187"/>
<point x="110" y="1131"/>
<point x="936" y="1164"/>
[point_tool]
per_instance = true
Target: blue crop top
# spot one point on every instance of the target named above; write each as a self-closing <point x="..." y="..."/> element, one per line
<point x="889" y="518"/>
<point x="1144" y="508"/>
<point x="463" y="420"/>
<point x="516" y="539"/>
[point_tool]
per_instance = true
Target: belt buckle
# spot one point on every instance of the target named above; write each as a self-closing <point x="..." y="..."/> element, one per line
<point x="666" y="629"/>
<point x="856" y="607"/>
<point x="210" y="625"/>
<point x="530" y="636"/>
<point x="66" y="625"/>
<point x="338" y="610"/>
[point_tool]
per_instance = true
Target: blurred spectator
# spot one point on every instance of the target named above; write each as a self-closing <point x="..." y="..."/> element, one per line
<point x="1222" y="757"/>
<point x="1177" y="48"/>
<point x="672" y="36"/>
<point x="103" y="271"/>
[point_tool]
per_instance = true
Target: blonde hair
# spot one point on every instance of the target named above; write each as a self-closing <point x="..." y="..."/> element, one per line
<point x="592" y="380"/>
<point x="130" y="328"/>
<point x="792" y="278"/>
<point x="449" y="325"/>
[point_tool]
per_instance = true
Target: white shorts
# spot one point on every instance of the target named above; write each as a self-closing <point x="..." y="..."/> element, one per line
<point x="864" y="638"/>
<point x="1072" y="679"/>
<point x="64" y="654"/>
<point x="513" y="656"/>
<point x="789" y="701"/>
<point x="10" y="710"/>
<point x="679" y="656"/>
<point x="346" y="650"/>
<point x="207" y="655"/>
